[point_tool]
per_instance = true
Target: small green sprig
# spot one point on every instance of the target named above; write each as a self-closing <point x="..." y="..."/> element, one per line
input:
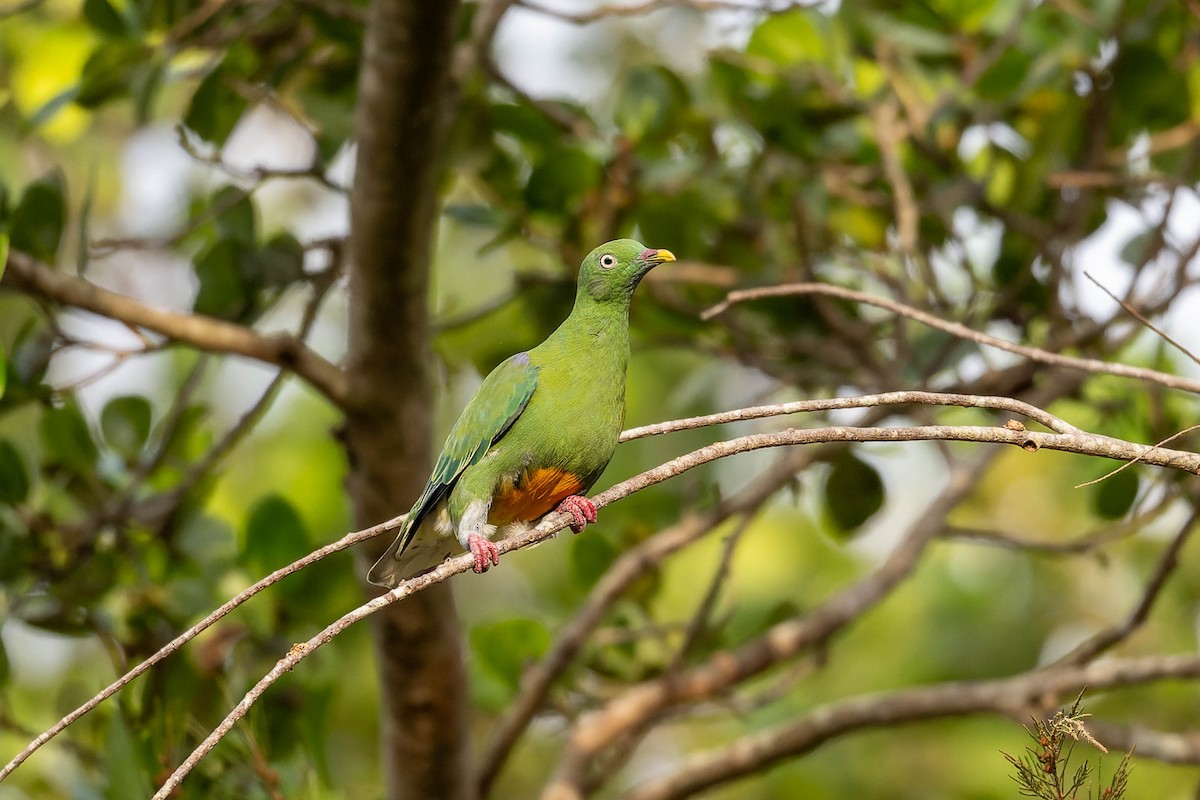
<point x="1044" y="769"/>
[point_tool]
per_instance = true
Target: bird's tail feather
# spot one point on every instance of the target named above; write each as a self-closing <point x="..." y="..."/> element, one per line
<point x="386" y="571"/>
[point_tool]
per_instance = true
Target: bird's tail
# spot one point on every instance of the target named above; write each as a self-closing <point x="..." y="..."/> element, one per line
<point x="386" y="571"/>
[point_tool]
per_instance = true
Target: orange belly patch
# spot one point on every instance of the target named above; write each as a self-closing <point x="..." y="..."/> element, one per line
<point x="532" y="495"/>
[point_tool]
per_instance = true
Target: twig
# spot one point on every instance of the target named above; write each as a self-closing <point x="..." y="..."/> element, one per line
<point x="863" y="401"/>
<point x="1078" y="545"/>
<point x="1082" y="443"/>
<point x="1012" y="697"/>
<point x="179" y="641"/>
<point x="1095" y="645"/>
<point x="627" y="569"/>
<point x="703" y="614"/>
<point x="1133" y="312"/>
<point x="257" y="175"/>
<point x="206" y="333"/>
<point x="607" y="11"/>
<point x="956" y="329"/>
<point x="641" y="703"/>
<point x="1109" y="474"/>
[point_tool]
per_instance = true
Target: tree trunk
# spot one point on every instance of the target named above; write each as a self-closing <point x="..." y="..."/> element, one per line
<point x="405" y="101"/>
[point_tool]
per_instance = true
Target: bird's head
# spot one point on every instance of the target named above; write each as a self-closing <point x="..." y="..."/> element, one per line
<point x="613" y="270"/>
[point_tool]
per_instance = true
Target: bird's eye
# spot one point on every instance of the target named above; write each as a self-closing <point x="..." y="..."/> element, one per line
<point x="608" y="261"/>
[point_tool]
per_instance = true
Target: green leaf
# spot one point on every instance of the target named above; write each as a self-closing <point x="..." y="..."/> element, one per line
<point x="68" y="439"/>
<point x="559" y="179"/>
<point x="479" y="214"/>
<point x="215" y="108"/>
<point x="1133" y="252"/>
<point x="124" y="765"/>
<point x="591" y="556"/>
<point x="650" y="98"/>
<point x="506" y="646"/>
<point x="3" y="233"/>
<point x="527" y="124"/>
<point x="3" y="371"/>
<point x="1004" y="77"/>
<point x="51" y="107"/>
<point x="103" y="17"/>
<point x="14" y="479"/>
<point x="792" y="37"/>
<point x="224" y="291"/>
<point x="234" y="215"/>
<point x="853" y="492"/>
<point x="281" y="261"/>
<point x="37" y="222"/>
<point x="5" y="665"/>
<point x="109" y="71"/>
<point x="275" y="534"/>
<point x="1114" y="496"/>
<point x="125" y="423"/>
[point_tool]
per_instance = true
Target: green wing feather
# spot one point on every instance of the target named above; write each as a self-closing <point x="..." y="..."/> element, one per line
<point x="500" y="399"/>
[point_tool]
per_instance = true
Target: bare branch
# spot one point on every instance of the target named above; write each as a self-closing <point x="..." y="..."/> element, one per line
<point x="205" y="333"/>
<point x="956" y="329"/>
<point x="1104" y="640"/>
<point x="191" y="633"/>
<point x="20" y="7"/>
<point x="618" y="10"/>
<point x="1133" y="312"/>
<point x="629" y="566"/>
<point x="1082" y="443"/>
<point x="1013" y="697"/>
<point x="639" y="704"/>
<point x="863" y="401"/>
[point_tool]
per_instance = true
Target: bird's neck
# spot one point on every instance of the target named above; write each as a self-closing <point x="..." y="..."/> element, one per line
<point x="594" y="330"/>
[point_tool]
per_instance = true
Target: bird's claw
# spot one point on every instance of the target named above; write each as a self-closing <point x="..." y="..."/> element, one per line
<point x="485" y="552"/>
<point x="581" y="510"/>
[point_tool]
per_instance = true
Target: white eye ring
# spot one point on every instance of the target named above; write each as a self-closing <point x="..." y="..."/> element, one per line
<point x="608" y="261"/>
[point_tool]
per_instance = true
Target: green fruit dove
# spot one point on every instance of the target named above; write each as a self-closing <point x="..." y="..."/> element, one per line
<point x="538" y="432"/>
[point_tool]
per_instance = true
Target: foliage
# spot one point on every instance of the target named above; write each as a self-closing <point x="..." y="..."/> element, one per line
<point x="969" y="159"/>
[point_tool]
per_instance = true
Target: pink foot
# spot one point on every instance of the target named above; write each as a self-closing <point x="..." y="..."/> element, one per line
<point x="582" y="509"/>
<point x="484" y="552"/>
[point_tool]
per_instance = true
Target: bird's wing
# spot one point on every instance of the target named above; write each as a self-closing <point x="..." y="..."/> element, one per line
<point x="500" y="399"/>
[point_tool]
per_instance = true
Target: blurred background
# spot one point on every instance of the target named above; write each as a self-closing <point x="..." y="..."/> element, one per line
<point x="970" y="159"/>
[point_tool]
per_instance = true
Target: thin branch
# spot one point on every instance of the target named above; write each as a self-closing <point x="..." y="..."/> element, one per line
<point x="616" y="580"/>
<point x="257" y="175"/>
<point x="179" y="641"/>
<point x="701" y="619"/>
<point x="618" y="10"/>
<point x="19" y="8"/>
<point x="640" y="704"/>
<point x="1108" y="475"/>
<point x="1133" y="312"/>
<point x="205" y="333"/>
<point x="1013" y="697"/>
<point x="863" y="401"/>
<point x="1085" y="543"/>
<point x="1104" y="640"/>
<point x="956" y="329"/>
<point x="1082" y="443"/>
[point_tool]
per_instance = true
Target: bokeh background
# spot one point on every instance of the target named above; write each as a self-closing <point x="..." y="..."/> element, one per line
<point x="972" y="159"/>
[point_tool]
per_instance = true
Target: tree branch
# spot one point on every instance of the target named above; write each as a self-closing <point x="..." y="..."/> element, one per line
<point x="26" y="275"/>
<point x="632" y="563"/>
<point x="955" y="329"/>
<point x="1013" y="697"/>
<point x="191" y="633"/>
<point x="636" y="706"/>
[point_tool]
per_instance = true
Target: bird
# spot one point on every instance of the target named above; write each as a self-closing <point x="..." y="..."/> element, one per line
<point x="539" y="430"/>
